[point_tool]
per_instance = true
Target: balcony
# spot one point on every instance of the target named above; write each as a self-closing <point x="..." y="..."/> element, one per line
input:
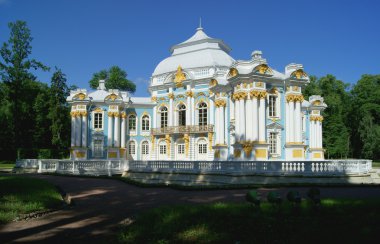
<point x="189" y="129"/>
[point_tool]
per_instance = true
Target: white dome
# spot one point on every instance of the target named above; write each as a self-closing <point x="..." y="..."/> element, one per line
<point x="198" y="51"/>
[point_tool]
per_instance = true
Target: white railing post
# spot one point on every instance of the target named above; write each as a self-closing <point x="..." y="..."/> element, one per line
<point x="73" y="166"/>
<point x="39" y="166"/>
<point x="109" y="167"/>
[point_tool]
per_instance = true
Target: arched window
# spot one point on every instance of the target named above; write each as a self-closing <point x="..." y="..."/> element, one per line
<point x="164" y="117"/>
<point x="132" y="122"/>
<point x="181" y="115"/>
<point x="132" y="148"/>
<point x="145" y="123"/>
<point x="145" y="148"/>
<point x="202" y="113"/>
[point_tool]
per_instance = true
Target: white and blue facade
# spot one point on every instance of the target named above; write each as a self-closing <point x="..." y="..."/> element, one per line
<point x="204" y="106"/>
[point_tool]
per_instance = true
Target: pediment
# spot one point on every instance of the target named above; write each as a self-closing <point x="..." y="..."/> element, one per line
<point x="275" y="125"/>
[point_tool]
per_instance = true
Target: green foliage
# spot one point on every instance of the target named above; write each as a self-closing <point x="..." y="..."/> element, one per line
<point x="22" y="195"/>
<point x="115" y="78"/>
<point x="19" y="87"/>
<point x="365" y="117"/>
<point x="59" y="111"/>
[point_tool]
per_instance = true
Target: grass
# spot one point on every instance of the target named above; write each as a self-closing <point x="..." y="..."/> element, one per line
<point x="7" y="164"/>
<point x="376" y="164"/>
<point x="23" y="195"/>
<point x="337" y="220"/>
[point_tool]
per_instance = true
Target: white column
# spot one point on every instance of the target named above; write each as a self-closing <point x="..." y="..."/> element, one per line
<point x="117" y="131"/>
<point x="287" y="122"/>
<point x="221" y="127"/>
<point x="242" y="119"/>
<point x="311" y="134"/>
<point x="248" y="121"/>
<point x="297" y="123"/>
<point x="154" y="122"/>
<point x="319" y="136"/>
<point x="291" y="122"/>
<point x="77" y="131"/>
<point x="212" y="121"/>
<point x="262" y="129"/>
<point x="188" y="110"/>
<point x="217" y="125"/>
<point x="109" y="131"/>
<point x="72" y="130"/>
<point x="225" y="131"/>
<point x="237" y="120"/>
<point x="255" y="119"/>
<point x="171" y="111"/>
<point x="84" y="130"/>
<point x="123" y="123"/>
<point x="193" y="111"/>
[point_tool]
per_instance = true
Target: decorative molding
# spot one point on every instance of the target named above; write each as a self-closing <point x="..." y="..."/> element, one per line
<point x="189" y="94"/>
<point x="294" y="98"/>
<point x="316" y="118"/>
<point x="171" y="95"/>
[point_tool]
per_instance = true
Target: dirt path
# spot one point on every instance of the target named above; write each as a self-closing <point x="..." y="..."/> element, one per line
<point x="102" y="204"/>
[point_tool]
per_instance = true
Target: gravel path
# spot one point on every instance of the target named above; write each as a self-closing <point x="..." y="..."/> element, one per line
<point x="100" y="205"/>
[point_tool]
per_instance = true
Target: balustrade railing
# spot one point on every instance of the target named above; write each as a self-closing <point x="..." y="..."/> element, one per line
<point x="112" y="167"/>
<point x="191" y="129"/>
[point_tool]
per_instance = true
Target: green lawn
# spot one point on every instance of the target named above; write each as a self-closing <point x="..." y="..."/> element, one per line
<point x="6" y="165"/>
<point x="337" y="221"/>
<point x="376" y="164"/>
<point x="22" y="195"/>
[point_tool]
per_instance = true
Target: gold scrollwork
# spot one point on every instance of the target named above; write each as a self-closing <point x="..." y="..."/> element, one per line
<point x="233" y="72"/>
<point x="154" y="99"/>
<point x="168" y="141"/>
<point x="186" y="138"/>
<point x="258" y="94"/>
<point x="179" y="77"/>
<point x="123" y="115"/>
<point x="213" y="82"/>
<point x="237" y="153"/>
<point x="294" y="98"/>
<point x="210" y="136"/>
<point x="189" y="94"/>
<point x="247" y="148"/>
<point x="262" y="69"/>
<point x="299" y="74"/>
<point x="171" y="95"/>
<point x="220" y="103"/>
<point x="316" y="118"/>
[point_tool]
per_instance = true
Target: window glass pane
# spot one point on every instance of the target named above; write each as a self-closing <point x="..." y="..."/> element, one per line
<point x="132" y="122"/>
<point x="164" y="117"/>
<point x="132" y="148"/>
<point x="202" y="114"/>
<point x="145" y="123"/>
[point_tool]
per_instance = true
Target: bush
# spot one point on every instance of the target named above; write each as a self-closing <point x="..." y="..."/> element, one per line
<point x="294" y="196"/>
<point x="274" y="197"/>
<point x="253" y="198"/>
<point x="42" y="153"/>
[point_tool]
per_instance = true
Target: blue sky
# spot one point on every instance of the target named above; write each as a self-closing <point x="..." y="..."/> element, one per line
<point x="82" y="37"/>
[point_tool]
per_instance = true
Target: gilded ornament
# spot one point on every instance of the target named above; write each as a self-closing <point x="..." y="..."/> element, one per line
<point x="168" y="141"/>
<point x="171" y="95"/>
<point x="299" y="74"/>
<point x="123" y="115"/>
<point x="295" y="88"/>
<point x="189" y="94"/>
<point x="316" y="118"/>
<point x="98" y="110"/>
<point x="110" y="114"/>
<point x="81" y="96"/>
<point x="217" y="154"/>
<point x="179" y="77"/>
<point x="262" y="69"/>
<point x="154" y="99"/>
<point x="213" y="82"/>
<point x="260" y="84"/>
<point x="316" y="103"/>
<point x="200" y="94"/>
<point x="247" y="147"/>
<point x="237" y="153"/>
<point x="186" y="138"/>
<point x="233" y="72"/>
<point x="245" y="85"/>
<point x="152" y="140"/>
<point x="210" y="136"/>
<point x="83" y="113"/>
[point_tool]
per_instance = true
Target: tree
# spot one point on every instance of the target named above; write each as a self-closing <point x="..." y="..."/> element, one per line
<point x="59" y="111"/>
<point x="15" y="66"/>
<point x="115" y="77"/>
<point x="364" y="117"/>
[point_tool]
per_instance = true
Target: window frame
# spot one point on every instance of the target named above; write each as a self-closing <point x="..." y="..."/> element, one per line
<point x="134" y="149"/>
<point x="143" y="121"/>
<point x="182" y="114"/>
<point x="94" y="113"/>
<point x="202" y="114"/>
<point x="129" y="123"/>
<point x="161" y="112"/>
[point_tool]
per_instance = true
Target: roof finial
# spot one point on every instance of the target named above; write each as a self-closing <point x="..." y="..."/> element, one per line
<point x="200" y="24"/>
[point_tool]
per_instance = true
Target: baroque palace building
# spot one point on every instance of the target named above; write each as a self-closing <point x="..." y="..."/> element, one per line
<point x="204" y="105"/>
